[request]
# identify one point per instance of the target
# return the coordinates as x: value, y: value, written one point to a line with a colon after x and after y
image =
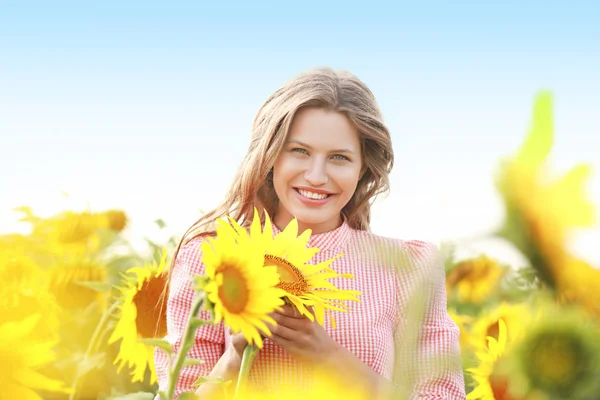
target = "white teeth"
x: 311, y: 195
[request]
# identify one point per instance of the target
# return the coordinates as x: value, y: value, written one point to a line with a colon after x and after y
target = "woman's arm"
x: 227, y: 368
x: 352, y: 370
x: 428, y: 362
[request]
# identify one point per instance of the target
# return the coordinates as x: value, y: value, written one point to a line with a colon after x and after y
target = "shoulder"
x: 412, y: 254
x: 189, y: 257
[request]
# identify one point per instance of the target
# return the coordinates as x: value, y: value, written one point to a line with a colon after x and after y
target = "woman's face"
x: 318, y: 170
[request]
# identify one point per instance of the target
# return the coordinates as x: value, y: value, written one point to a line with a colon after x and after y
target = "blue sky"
x: 147, y: 106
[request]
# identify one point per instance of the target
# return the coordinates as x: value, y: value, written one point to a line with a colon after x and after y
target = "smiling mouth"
x: 312, y: 195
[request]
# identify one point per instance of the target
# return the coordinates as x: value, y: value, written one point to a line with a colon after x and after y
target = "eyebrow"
x: 310, y: 148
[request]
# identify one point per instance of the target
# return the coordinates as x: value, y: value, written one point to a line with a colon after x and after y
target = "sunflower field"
x: 80, y: 309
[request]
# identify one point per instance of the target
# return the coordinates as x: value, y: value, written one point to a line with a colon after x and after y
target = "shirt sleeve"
x: 428, y: 357
x: 210, y: 339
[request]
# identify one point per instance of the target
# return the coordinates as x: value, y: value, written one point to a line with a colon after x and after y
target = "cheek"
x: 349, y: 181
x: 347, y: 185
x: 281, y: 174
x: 285, y: 169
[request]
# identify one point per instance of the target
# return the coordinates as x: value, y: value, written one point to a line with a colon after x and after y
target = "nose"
x: 316, y: 174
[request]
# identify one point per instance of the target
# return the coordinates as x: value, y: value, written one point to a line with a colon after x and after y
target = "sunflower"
x: 22, y: 355
x: 142, y: 316
x: 487, y: 358
x: 542, y: 210
x: 514, y: 317
x: 24, y: 293
x: 304, y: 284
x: 323, y: 385
x: 474, y: 280
x: 74, y: 229
x: 67, y: 283
x: 579, y: 282
x: 116, y: 220
x: 241, y: 291
x: 559, y: 358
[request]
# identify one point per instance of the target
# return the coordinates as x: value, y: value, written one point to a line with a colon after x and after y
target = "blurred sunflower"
x: 541, y: 211
x: 323, y: 385
x: 304, y: 284
x: 74, y: 228
x: 515, y: 318
x: 24, y: 292
x: 116, y: 220
x: 240, y: 289
x: 578, y: 282
x: 559, y: 358
x: 487, y: 357
x: 549, y: 207
x: 474, y: 280
x: 67, y: 283
x: 142, y: 316
x: 21, y: 357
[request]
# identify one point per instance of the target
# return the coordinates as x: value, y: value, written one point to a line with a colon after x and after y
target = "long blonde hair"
x: 253, y: 183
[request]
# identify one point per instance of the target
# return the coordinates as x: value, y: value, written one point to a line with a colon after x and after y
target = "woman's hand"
x: 233, y: 353
x: 227, y: 368
x: 301, y: 337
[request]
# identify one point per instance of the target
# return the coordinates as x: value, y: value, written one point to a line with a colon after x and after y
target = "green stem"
x: 93, y: 344
x: 250, y: 352
x: 186, y: 344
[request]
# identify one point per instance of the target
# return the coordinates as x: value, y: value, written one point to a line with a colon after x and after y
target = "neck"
x: 282, y: 221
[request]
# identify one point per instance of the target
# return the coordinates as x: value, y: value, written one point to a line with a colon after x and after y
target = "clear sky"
x: 147, y: 106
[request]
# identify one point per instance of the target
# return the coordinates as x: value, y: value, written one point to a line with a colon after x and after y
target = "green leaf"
x: 160, y: 223
x: 163, y: 344
x: 538, y: 142
x: 192, y: 361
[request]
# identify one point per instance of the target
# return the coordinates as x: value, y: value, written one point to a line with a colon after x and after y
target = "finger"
x: 289, y: 345
x: 239, y: 343
x: 296, y: 324
x: 284, y: 332
x: 290, y: 311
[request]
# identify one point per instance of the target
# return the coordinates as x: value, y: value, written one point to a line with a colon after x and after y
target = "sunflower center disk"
x: 291, y: 278
x: 555, y: 360
x: 151, y: 321
x: 234, y: 290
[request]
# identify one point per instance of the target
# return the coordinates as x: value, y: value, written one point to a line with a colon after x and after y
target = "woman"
x: 320, y: 152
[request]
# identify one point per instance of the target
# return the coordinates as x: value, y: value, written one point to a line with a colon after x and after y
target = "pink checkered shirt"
x: 400, y: 328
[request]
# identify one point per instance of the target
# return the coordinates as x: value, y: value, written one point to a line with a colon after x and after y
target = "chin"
x: 310, y: 217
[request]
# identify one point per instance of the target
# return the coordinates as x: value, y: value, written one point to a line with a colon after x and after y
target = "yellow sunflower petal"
x: 288, y: 252
x: 142, y: 314
x: 240, y: 288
